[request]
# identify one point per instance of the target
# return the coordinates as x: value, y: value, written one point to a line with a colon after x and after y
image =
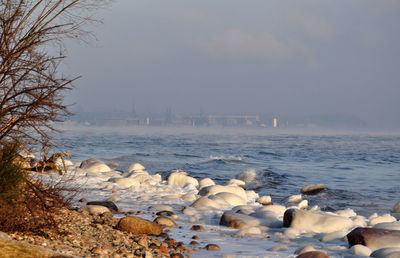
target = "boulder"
x: 313, y: 254
x: 295, y: 198
x: 138, y: 225
x: 315, y: 222
x: 84, y: 164
x: 162, y: 220
x: 110, y: 205
x: 214, y: 189
x: 374, y: 238
x: 313, y: 189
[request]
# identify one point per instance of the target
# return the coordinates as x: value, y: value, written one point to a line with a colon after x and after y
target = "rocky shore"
x: 135, y: 214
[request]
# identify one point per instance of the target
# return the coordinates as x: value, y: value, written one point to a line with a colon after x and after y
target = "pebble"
x: 195, y: 237
x: 194, y: 243
x: 212, y: 247
x: 197, y: 228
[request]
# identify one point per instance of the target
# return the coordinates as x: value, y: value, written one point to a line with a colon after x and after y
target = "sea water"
x: 361, y: 172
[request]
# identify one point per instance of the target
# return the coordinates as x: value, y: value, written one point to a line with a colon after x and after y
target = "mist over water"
x: 361, y: 171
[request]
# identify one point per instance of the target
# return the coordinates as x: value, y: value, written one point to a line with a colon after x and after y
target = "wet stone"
x: 197, y: 228
x: 212, y: 247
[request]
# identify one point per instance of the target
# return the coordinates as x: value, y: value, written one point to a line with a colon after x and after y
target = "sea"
x: 360, y: 170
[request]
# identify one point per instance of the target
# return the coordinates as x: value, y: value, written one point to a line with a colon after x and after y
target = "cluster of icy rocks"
x: 291, y: 225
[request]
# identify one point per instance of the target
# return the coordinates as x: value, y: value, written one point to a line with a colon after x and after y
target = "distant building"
x: 275, y: 122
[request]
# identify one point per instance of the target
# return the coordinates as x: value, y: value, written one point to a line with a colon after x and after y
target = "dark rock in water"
x: 165, y: 213
x: 313, y: 189
x: 374, y: 238
x: 197, y: 228
x: 83, y: 200
x: 138, y: 225
x: 328, y: 209
x: 313, y: 254
x: 110, y: 205
x: 212, y: 247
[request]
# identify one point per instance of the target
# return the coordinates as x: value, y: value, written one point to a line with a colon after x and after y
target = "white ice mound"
x: 136, y: 167
x: 214, y: 189
x: 373, y: 220
x: 295, y: 198
x: 390, y: 252
x: 315, y: 222
x: 144, y: 177
x: 212, y: 202
x: 231, y: 198
x: 388, y: 225
x: 247, y: 176
x: 236, y: 182
x: 206, y: 182
x: 94, y: 166
x: 264, y: 200
x: 125, y: 181
x: 67, y: 162
x: 95, y: 209
x: 181, y: 178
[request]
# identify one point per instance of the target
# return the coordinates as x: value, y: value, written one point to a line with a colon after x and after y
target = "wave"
x: 224, y: 159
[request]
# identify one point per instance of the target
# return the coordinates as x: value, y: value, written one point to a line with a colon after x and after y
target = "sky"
x: 293, y: 58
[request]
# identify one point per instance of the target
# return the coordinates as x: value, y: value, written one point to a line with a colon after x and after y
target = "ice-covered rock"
x: 249, y: 231
x: 360, y: 250
x: 231, y: 198
x: 97, y: 167
x: 315, y: 222
x: 181, y: 178
x: 237, y: 182
x: 162, y: 207
x: 213, y: 202
x: 206, y: 182
x: 277, y: 209
x: 386, y: 253
x: 214, y: 189
x: 303, y: 204
x: 396, y: 211
x: 125, y: 181
x: 381, y: 219
x: 264, y: 200
x: 136, y: 167
x: 374, y: 238
x: 334, y: 236
x: 251, y: 195
x: 388, y: 225
x: 295, y: 198
x: 346, y: 213
x: 67, y: 162
x: 247, y: 176
x: 189, y: 197
x: 359, y: 221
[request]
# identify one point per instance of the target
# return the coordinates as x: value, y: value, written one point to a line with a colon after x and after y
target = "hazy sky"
x: 258, y: 56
